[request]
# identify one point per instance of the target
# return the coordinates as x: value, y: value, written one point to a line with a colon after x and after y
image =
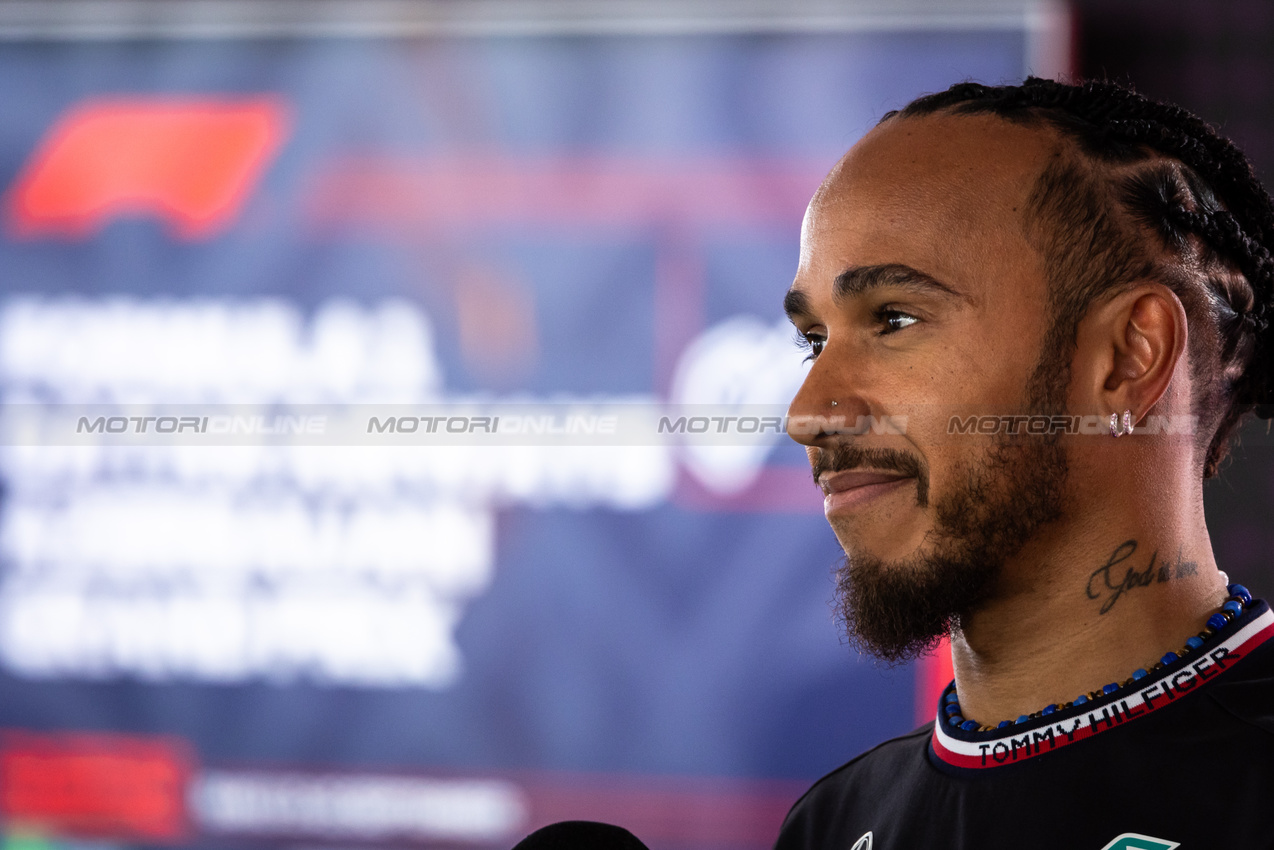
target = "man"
x: 1064, y: 291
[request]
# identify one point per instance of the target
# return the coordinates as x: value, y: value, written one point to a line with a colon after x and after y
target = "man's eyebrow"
x: 796, y: 303
x: 859, y: 279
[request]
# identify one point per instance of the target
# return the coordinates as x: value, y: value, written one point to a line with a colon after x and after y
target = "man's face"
x: 922, y: 299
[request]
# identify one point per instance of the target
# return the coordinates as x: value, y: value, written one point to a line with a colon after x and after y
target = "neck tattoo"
x: 1238, y: 600
x: 1119, y: 574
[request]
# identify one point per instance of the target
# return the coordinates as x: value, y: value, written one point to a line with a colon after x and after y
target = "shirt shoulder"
x: 1247, y: 693
x: 835, y: 802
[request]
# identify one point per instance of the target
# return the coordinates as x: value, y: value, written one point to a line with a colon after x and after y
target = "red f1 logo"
x: 191, y: 162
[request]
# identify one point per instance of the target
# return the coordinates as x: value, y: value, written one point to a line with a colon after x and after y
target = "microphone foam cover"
x: 581, y: 835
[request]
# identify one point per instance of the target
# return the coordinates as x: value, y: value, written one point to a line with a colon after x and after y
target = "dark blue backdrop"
x: 682, y: 637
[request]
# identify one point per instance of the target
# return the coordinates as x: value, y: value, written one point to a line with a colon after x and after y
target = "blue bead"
x: 1217, y: 621
x: 1023, y: 719
x: 953, y: 708
x: 1004, y: 723
x: 1139, y: 673
x: 1233, y: 607
x: 955, y: 720
x: 1169, y: 658
x: 969, y: 725
x: 1194, y: 642
x: 951, y: 697
x: 1109, y: 689
x: 1081, y: 699
x: 1241, y: 592
x: 1049, y: 709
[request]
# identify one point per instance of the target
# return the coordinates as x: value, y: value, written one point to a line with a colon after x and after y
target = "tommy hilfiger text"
x: 1160, y: 693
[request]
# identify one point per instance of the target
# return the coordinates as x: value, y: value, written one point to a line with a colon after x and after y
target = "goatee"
x: 901, y: 609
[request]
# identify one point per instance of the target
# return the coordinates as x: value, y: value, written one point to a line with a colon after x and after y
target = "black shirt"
x: 1184, y: 756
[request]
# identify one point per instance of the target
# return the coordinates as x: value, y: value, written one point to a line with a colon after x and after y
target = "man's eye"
x: 811, y: 343
x: 892, y: 321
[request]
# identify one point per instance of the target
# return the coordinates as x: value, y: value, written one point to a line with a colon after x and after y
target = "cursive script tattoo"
x: 1108, y: 583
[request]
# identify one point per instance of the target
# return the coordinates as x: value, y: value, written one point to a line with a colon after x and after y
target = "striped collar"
x: 1017, y: 743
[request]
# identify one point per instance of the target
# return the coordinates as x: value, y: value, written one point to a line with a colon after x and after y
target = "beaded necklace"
x: 1238, y: 600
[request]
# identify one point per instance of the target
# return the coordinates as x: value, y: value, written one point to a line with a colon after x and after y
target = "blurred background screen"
x: 221, y: 626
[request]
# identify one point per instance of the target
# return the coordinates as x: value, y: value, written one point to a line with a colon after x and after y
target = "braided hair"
x: 1150, y: 190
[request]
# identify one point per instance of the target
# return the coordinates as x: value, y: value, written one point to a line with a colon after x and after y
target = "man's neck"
x: 1072, y: 618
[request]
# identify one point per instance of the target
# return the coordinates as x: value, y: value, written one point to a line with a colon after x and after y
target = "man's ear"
x: 1128, y: 348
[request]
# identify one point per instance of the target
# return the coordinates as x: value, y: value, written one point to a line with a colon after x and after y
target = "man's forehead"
x: 945, y: 157
x: 943, y: 193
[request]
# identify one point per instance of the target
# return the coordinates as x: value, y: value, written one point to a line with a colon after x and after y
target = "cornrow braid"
x: 1189, y: 185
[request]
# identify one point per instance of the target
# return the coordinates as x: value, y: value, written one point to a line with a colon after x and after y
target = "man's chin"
x: 898, y: 610
x: 892, y: 547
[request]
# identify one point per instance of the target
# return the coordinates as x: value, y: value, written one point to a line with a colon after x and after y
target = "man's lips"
x: 850, y: 479
x: 853, y: 486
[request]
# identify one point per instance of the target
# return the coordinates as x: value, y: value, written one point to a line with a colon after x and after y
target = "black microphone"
x: 581, y: 835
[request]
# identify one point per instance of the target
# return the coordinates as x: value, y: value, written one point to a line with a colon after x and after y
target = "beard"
x: 900, y: 609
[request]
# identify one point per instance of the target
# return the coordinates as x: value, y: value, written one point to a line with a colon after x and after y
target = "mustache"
x: 842, y: 456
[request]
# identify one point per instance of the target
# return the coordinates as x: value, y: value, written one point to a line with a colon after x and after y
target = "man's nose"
x: 826, y: 404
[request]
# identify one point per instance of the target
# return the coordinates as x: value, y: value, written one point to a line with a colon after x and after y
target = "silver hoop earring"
x: 1115, y: 430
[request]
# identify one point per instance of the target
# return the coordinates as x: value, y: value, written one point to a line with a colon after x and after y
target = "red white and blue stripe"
x: 1018, y: 742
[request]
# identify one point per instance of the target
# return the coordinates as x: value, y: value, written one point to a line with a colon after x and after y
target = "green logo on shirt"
x: 1134, y: 841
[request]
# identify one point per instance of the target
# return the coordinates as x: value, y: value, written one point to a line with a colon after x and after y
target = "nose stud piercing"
x: 833, y: 402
